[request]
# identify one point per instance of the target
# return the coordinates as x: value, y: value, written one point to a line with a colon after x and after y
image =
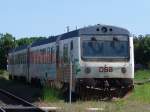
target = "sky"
x: 26, y: 18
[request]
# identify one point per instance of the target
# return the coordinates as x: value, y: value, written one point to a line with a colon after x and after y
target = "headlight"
x: 87, y: 70
x: 123, y: 70
x: 104, y: 29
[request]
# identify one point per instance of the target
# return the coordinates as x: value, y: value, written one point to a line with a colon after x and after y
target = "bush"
x: 51, y: 94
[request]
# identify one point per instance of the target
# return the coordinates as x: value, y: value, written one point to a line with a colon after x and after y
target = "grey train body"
x: 101, y: 56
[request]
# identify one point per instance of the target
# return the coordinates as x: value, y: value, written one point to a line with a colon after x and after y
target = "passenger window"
x: 32, y: 57
x: 41, y: 56
x: 44, y: 55
x: 48, y: 55
x: 71, y: 45
x: 65, y: 53
x: 57, y: 55
x: 52, y: 55
x: 37, y: 56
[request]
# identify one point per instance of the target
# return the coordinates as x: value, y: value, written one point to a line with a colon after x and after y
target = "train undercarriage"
x: 95, y: 88
x: 100, y: 89
x: 103, y: 89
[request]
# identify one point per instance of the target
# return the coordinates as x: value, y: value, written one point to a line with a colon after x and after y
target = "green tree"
x: 6, y: 43
x: 142, y: 50
x: 27, y: 41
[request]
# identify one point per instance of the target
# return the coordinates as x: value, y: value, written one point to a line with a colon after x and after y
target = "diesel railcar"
x: 101, y: 55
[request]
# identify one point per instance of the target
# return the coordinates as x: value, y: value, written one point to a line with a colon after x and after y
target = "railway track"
x: 12, y: 103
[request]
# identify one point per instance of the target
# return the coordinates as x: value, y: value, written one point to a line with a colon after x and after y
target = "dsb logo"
x: 105, y: 69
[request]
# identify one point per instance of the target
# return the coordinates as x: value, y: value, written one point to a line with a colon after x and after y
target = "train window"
x: 18, y: 59
x: 48, y: 55
x: 36, y: 57
x: 41, y: 56
x: 65, y: 53
x: 21, y: 59
x: 71, y: 45
x: 44, y: 55
x: 32, y: 57
x: 57, y: 55
x: 14, y: 60
x: 35, y: 54
x: 52, y: 55
x: 24, y: 57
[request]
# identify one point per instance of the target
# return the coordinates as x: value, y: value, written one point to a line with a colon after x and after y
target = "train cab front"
x: 106, y: 64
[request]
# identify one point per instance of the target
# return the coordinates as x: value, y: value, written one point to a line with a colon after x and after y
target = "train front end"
x: 106, y: 62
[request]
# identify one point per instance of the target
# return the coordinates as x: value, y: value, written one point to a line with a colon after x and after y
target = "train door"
x: 67, y: 56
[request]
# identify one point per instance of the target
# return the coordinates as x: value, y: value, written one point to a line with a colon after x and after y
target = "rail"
x: 25, y: 105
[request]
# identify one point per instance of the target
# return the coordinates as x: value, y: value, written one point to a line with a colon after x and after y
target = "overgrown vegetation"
x: 142, y: 75
x: 142, y: 92
x: 142, y: 50
x: 51, y: 94
x: 1, y: 72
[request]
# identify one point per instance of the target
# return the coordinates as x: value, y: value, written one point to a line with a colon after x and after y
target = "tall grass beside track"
x: 141, y: 92
x: 51, y: 94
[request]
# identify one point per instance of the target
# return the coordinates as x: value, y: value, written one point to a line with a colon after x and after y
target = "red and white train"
x: 102, y: 59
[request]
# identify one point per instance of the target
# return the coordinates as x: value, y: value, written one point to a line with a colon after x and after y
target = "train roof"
x: 18, y: 48
x: 70, y: 34
x: 94, y: 30
x: 103, y: 30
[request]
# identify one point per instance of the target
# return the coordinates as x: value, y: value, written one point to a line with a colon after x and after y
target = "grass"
x: 141, y: 93
x: 50, y: 94
x: 1, y: 72
x: 4, y: 74
x: 142, y: 75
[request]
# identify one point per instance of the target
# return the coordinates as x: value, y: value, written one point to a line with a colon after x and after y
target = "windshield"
x: 114, y: 48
